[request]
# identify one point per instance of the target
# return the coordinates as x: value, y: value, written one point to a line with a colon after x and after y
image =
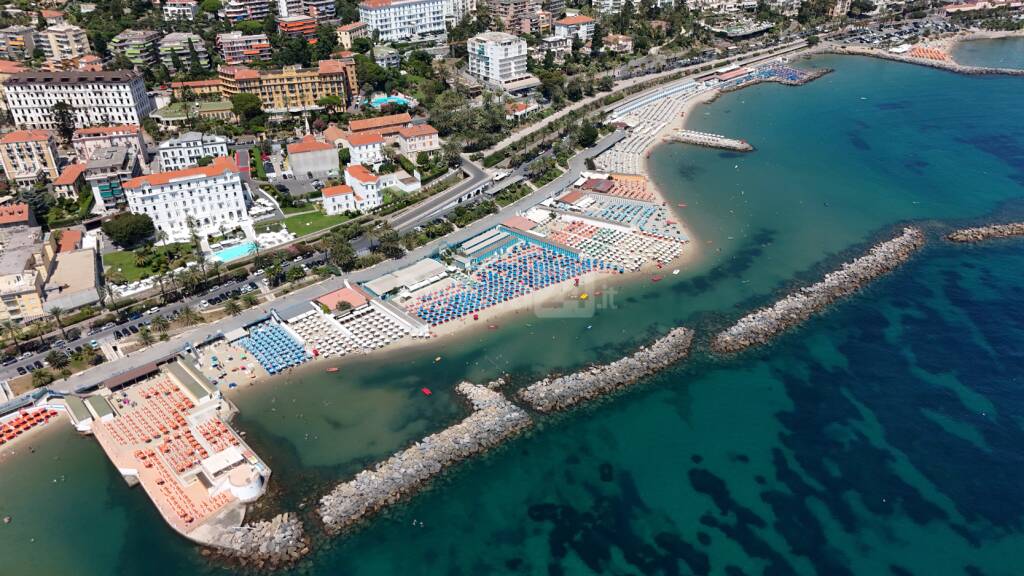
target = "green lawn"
x: 302, y: 224
x: 125, y: 261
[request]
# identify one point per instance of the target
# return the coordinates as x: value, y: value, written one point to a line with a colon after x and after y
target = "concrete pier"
x: 493, y: 421
x: 710, y: 140
x: 987, y: 232
x: 761, y: 326
x: 565, y: 392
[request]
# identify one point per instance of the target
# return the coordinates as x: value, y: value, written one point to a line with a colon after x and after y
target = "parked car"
x: 37, y: 364
x: 109, y: 325
x: 152, y: 310
x: 22, y: 371
x: 10, y: 361
x: 134, y: 329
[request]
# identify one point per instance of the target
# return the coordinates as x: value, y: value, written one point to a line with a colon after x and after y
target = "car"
x: 134, y: 329
x: 152, y: 310
x: 21, y: 370
x: 297, y: 259
x: 94, y: 344
x: 252, y: 286
x: 10, y: 361
x: 37, y: 364
x: 281, y: 188
x: 204, y: 304
x: 134, y: 316
x: 25, y: 356
x: 118, y: 335
x: 259, y: 272
x: 109, y: 325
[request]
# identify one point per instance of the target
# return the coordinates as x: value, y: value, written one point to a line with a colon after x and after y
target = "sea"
x: 883, y: 437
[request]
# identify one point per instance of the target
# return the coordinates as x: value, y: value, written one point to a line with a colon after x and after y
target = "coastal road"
x: 95, y: 376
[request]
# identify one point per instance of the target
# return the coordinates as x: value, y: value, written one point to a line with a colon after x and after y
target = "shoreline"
x: 947, y: 65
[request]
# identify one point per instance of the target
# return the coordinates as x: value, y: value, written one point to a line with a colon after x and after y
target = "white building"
x: 98, y: 98
x: 342, y: 198
x: 310, y: 158
x: 180, y: 9
x: 365, y: 148
x: 186, y: 150
x: 499, y: 59
x: 85, y: 141
x: 365, y: 185
x: 28, y: 156
x: 420, y: 138
x: 239, y: 10
x: 396, y: 20
x: 579, y: 26
x: 208, y: 199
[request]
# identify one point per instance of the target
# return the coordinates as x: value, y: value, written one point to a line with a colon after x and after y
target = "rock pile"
x: 987, y: 232
x: 566, y: 391
x: 268, y: 543
x: 761, y: 326
x: 494, y: 420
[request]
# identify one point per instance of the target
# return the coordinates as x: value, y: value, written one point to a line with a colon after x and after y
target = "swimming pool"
x: 235, y: 252
x: 382, y: 100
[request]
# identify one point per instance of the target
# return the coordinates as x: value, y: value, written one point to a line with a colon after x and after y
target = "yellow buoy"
x: 583, y: 296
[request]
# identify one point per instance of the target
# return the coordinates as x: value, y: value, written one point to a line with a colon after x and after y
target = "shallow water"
x: 881, y: 438
x: 995, y: 52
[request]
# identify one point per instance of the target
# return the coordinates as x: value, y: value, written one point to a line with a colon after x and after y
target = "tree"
x: 295, y: 273
x: 57, y: 312
x: 597, y: 41
x: 41, y: 377
x: 332, y: 103
x: 342, y: 306
x: 145, y: 336
x: 249, y: 299
x: 129, y: 229
x: 246, y: 106
x: 64, y: 118
x: 188, y: 316
x: 587, y: 135
x: 12, y: 329
x: 204, y: 161
x: 56, y: 359
x: 232, y: 307
x: 194, y: 65
x: 214, y: 6
x: 340, y: 252
x: 160, y: 324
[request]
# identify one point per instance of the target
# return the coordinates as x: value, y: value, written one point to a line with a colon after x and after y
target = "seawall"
x: 493, y: 421
x: 272, y: 543
x: 564, y: 392
x: 761, y: 326
x: 940, y: 64
x: 987, y: 232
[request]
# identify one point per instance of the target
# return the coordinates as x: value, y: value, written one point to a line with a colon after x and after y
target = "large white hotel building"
x: 396, y: 20
x: 98, y: 98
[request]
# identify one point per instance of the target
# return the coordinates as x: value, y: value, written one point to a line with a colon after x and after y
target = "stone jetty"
x: 272, y: 543
x: 761, y: 326
x: 564, y: 392
x: 941, y: 64
x: 709, y: 140
x: 493, y: 421
x: 987, y: 232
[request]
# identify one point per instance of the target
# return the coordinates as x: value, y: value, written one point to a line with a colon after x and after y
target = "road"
x: 95, y: 376
x: 428, y: 209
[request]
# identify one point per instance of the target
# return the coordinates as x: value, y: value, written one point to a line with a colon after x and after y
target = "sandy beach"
x: 23, y: 444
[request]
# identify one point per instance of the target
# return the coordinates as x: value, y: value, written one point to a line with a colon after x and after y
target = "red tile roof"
x: 417, y: 131
x: 308, y: 144
x: 70, y: 175
x: 69, y: 240
x: 519, y: 223
x: 103, y: 130
x: 375, y: 3
x: 339, y: 190
x: 359, y: 172
x: 350, y: 294
x: 390, y: 121
x: 365, y: 138
x: 25, y: 136
x: 351, y: 26
x: 574, y: 20
x: 14, y: 213
x: 332, y: 66
x: 196, y: 83
x: 219, y: 166
x: 571, y: 197
x: 333, y: 133
x: 9, y: 67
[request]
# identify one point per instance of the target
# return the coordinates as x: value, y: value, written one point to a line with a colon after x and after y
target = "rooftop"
x: 380, y: 122
x: 417, y: 131
x: 359, y: 172
x: 352, y: 26
x: 72, y: 77
x: 339, y: 190
x: 105, y: 158
x: 70, y: 175
x: 14, y: 214
x: 9, y: 67
x: 195, y: 137
x: 353, y: 295
x: 219, y: 166
x: 308, y: 144
x: 25, y: 136
x: 365, y: 138
x: 105, y: 130
x: 574, y: 20
x: 70, y: 239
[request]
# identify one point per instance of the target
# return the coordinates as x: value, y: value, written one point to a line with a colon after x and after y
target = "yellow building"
x: 293, y: 88
x: 28, y: 156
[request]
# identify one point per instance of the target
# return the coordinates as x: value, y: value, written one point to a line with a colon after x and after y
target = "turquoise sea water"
x: 881, y: 438
x: 997, y: 52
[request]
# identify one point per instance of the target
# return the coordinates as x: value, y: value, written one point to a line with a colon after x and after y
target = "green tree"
x: 128, y: 229
x: 160, y: 324
x: 250, y: 299
x: 41, y: 377
x: 587, y: 135
x: 56, y: 359
x: 214, y: 6
x: 145, y: 336
x: 295, y: 273
x: 339, y: 252
x: 57, y: 312
x: 246, y: 106
x: 188, y: 316
x: 232, y: 307
x: 11, y: 327
x: 64, y: 118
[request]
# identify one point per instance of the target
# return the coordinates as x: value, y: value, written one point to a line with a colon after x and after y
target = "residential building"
x: 7, y: 68
x: 365, y: 148
x: 298, y: 26
x: 106, y: 172
x: 555, y: 7
x: 21, y: 276
x: 177, y: 49
x: 63, y: 42
x: 206, y: 200
x: 618, y: 44
x: 184, y: 114
x: 289, y: 8
x: 17, y: 42
x: 197, y: 87
x: 73, y: 278
x: 16, y: 215
x: 420, y: 138
x: 350, y: 32
x: 52, y: 17
x: 499, y: 59
x: 310, y: 158
x: 186, y: 150
x: 386, y: 57
x: 340, y: 199
x: 514, y: 14
x: 396, y: 20
x: 98, y: 98
x: 239, y: 10
x: 293, y: 88
x: 180, y: 9
x: 560, y: 47
x: 28, y: 157
x: 365, y: 187
x: 516, y: 111
x: 608, y: 6
x: 334, y: 135
x: 319, y: 9
x: 386, y: 126
x: 70, y: 183
x: 455, y: 10
x: 85, y: 141
x: 238, y: 48
x: 579, y: 26
x: 138, y: 46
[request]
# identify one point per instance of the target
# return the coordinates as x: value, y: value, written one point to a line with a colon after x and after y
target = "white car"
x: 152, y: 310
x: 204, y: 304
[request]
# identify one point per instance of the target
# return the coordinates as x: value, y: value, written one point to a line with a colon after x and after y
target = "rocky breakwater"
x: 761, y: 326
x: 265, y: 544
x: 494, y: 420
x: 564, y: 392
x: 987, y: 232
x: 907, y: 59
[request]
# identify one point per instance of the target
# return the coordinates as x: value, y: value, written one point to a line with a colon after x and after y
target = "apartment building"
x: 420, y: 138
x: 7, y: 68
x: 21, y: 280
x: 293, y: 88
x: 310, y: 158
x: 17, y: 42
x: 499, y: 59
x: 366, y: 190
x: 197, y: 87
x: 98, y: 98
x: 348, y: 33
x: 63, y: 42
x: 579, y: 26
x: 106, y: 172
x: 515, y: 15
x: 70, y: 181
x: 319, y: 9
x: 207, y: 200
x: 180, y: 9
x: 177, y: 48
x: 238, y: 48
x: 396, y: 20
x: 298, y: 26
x: 239, y: 10
x: 28, y: 157
x: 365, y: 148
x: 186, y: 150
x: 138, y: 46
x: 86, y: 141
x: 608, y: 6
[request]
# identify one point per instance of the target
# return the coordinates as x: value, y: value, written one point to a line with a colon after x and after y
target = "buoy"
x: 583, y: 296
x: 681, y: 205
x: 676, y: 271
x: 656, y: 279
x: 332, y: 369
x: 438, y: 359
x: 426, y: 391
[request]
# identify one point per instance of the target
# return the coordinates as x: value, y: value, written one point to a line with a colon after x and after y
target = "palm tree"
x: 56, y: 312
x: 56, y: 359
x: 250, y: 299
x: 232, y: 307
x: 146, y: 336
x: 12, y: 328
x: 160, y: 269
x: 189, y: 317
x: 160, y: 324
x: 216, y: 267
x: 274, y: 272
